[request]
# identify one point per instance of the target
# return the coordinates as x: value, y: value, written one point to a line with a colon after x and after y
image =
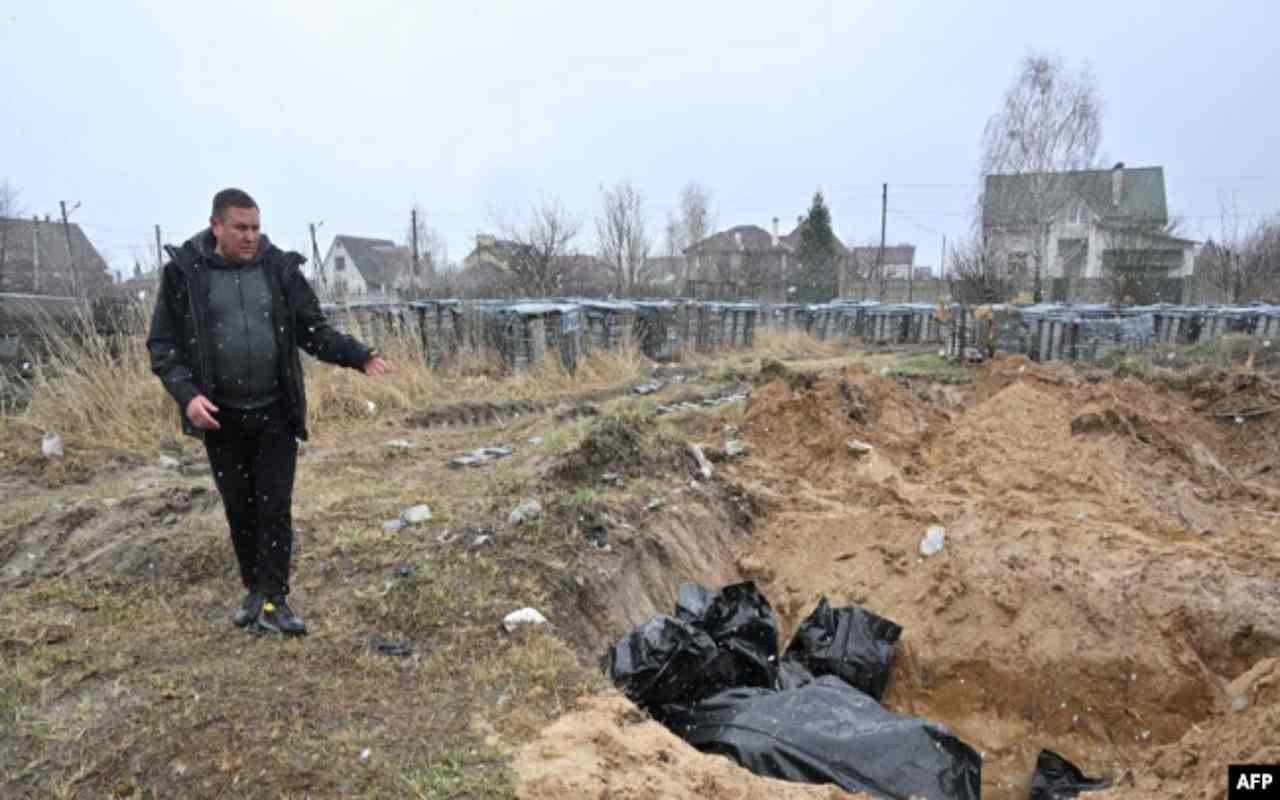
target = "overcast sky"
x: 351, y: 112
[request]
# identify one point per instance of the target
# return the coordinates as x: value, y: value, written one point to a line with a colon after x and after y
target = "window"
x: 339, y: 263
x: 1073, y: 254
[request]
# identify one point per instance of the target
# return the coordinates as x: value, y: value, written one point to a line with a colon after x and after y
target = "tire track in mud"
x: 568, y: 408
x: 72, y: 540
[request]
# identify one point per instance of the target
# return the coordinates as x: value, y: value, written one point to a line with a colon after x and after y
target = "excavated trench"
x: 1108, y: 570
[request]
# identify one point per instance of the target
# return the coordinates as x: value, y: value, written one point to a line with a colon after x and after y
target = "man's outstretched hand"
x: 377, y: 365
x: 200, y: 411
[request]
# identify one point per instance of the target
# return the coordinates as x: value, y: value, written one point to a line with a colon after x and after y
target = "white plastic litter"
x: 858, y: 448
x: 527, y: 510
x: 704, y: 466
x: 51, y: 445
x: 933, y: 540
x: 525, y: 616
x: 416, y: 514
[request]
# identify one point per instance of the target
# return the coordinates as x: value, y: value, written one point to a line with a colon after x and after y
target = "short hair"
x: 228, y: 198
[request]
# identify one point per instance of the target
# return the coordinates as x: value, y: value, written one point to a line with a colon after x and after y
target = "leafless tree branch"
x: 623, y: 240
x: 536, y: 260
x: 1050, y: 124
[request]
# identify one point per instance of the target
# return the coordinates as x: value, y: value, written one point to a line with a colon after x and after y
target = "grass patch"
x: 468, y: 774
x: 929, y: 366
x: 1125, y: 364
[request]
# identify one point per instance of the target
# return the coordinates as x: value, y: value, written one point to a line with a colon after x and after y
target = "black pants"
x: 254, y: 456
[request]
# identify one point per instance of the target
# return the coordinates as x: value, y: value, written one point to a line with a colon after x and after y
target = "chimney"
x: 1117, y: 182
x: 775, y: 231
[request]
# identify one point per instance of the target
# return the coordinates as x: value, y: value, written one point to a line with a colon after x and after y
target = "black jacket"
x: 179, y: 337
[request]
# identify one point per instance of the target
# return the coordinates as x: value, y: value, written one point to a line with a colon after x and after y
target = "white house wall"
x: 351, y: 275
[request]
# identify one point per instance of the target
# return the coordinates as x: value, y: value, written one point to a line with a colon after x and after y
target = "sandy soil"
x: 606, y: 748
x: 1110, y: 584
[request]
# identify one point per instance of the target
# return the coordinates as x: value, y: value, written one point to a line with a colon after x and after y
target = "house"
x: 752, y: 257
x: 491, y: 269
x: 667, y: 270
x: 357, y: 267
x: 745, y: 254
x: 1077, y: 224
x: 866, y: 263
x: 490, y: 251
x: 44, y: 257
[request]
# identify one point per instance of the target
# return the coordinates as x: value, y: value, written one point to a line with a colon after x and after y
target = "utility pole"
x: 159, y: 253
x: 35, y: 254
x: 71, y: 256
x: 942, y: 265
x: 413, y: 234
x: 884, y: 209
x: 315, y: 255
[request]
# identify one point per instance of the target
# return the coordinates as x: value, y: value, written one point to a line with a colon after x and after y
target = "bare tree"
x: 534, y: 257
x: 695, y: 221
x: 1243, y: 264
x: 1050, y: 124
x: 980, y: 274
x: 673, y: 238
x: 9, y: 210
x: 623, y: 240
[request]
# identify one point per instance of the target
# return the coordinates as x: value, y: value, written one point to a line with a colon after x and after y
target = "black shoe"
x: 250, y: 608
x: 276, y: 616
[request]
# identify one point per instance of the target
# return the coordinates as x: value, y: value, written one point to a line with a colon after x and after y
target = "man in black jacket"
x: 230, y: 315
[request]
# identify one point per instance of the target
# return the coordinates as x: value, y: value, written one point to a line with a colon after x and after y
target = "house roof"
x: 19, y: 238
x: 743, y: 238
x: 753, y: 238
x: 499, y: 249
x: 1149, y: 235
x: 792, y: 241
x: 1142, y: 194
x: 380, y: 261
x: 895, y: 254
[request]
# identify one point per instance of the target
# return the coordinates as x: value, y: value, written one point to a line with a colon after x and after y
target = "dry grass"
x: 99, y: 394
x: 794, y: 344
x: 94, y: 390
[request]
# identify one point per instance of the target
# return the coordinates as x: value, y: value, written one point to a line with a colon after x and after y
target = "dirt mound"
x: 772, y: 370
x: 606, y: 748
x: 1106, y: 571
x: 807, y: 429
x: 623, y: 445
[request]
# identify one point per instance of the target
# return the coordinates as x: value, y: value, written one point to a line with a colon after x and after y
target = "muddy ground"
x: 1109, y: 587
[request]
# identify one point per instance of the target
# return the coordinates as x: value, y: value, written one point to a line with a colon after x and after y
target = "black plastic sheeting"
x: 1058, y: 779
x: 829, y: 732
x: 667, y: 661
x: 712, y: 675
x: 850, y: 643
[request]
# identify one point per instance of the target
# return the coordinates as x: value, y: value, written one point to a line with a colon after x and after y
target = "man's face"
x: 237, y: 233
